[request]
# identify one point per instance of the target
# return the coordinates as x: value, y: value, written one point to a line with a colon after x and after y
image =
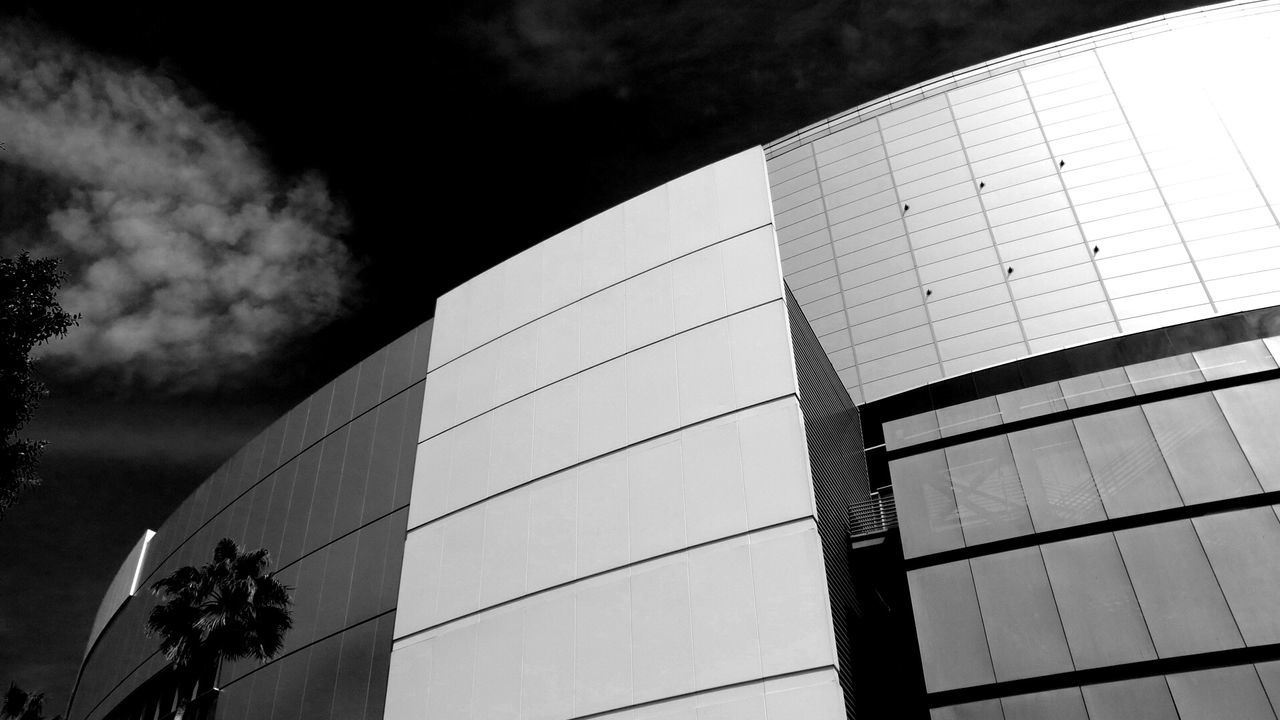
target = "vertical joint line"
x: 1243, y: 160
x: 1088, y: 248
x: 911, y: 250
x: 1004, y: 273
x: 844, y: 308
x: 1159, y: 190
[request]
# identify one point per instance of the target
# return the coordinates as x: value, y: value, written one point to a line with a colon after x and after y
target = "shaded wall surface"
x: 833, y: 434
x: 613, y: 511
x: 1098, y: 186
x: 325, y: 488
x: 121, y: 587
x: 1086, y: 528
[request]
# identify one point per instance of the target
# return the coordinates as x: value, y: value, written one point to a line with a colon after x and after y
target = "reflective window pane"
x: 336, y: 589
x: 1202, y: 453
x: 322, y: 675
x: 1064, y: 704
x: 1251, y: 413
x: 317, y: 415
x: 1094, y: 388
x: 353, y: 672
x: 290, y: 686
x: 304, y: 483
x: 1233, y: 360
x: 378, y: 672
x: 927, y: 516
x: 1243, y: 548
x: 1141, y: 699
x: 1177, y: 590
x: 307, y: 588
x: 988, y: 494
x: 1019, y: 614
x: 1218, y: 693
x: 381, y: 482
x: 1126, y: 463
x: 355, y: 475
x: 1055, y: 477
x: 907, y: 431
x: 324, y: 498
x: 1031, y: 402
x: 366, y: 578
x: 972, y: 415
x: 264, y: 692
x: 981, y: 710
x: 1165, y: 373
x: 1269, y: 672
x: 949, y: 627
x: 1099, y: 611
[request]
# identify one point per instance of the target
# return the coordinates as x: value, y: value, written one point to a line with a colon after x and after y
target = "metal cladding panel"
x: 1101, y: 186
x: 612, y: 513
x: 833, y: 432
x: 1092, y: 519
x: 318, y: 489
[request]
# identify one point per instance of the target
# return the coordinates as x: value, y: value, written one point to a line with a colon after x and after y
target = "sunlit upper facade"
x: 1111, y: 183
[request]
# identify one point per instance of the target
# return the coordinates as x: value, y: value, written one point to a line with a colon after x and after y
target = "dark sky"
x: 376, y: 159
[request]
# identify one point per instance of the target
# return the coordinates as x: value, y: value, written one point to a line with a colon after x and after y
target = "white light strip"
x: 142, y: 556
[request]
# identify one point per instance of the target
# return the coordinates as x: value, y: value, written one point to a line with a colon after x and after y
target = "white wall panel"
x: 662, y: 630
x: 1043, y: 242
x: 602, y: 254
x: 551, y: 555
x: 603, y: 539
x: 917, y: 358
x: 982, y: 88
x: 460, y: 564
x: 725, y: 278
x: 505, y: 548
x: 561, y: 269
x: 747, y: 470
x: 602, y: 648
x: 547, y: 657
x: 637, y: 235
x: 814, y: 694
x: 752, y: 463
x: 741, y: 609
x: 496, y: 683
x: 595, y: 463
x: 559, y: 344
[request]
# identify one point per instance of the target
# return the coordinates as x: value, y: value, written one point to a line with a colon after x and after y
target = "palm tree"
x: 22, y: 705
x: 226, y: 610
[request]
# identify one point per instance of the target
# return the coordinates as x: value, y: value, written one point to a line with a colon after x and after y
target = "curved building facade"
x: 956, y: 405
x: 325, y: 488
x: 1112, y: 183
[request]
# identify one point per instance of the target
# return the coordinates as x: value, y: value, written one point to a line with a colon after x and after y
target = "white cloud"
x: 190, y: 258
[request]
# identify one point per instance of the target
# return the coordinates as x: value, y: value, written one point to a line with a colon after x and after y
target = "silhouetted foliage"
x: 22, y: 705
x: 29, y: 315
x: 228, y: 609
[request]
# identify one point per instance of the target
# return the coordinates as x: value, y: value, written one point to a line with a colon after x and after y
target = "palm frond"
x: 35, y: 707
x: 15, y: 699
x: 229, y: 608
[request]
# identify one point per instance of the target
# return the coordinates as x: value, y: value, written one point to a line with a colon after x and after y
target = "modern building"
x: 956, y: 405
